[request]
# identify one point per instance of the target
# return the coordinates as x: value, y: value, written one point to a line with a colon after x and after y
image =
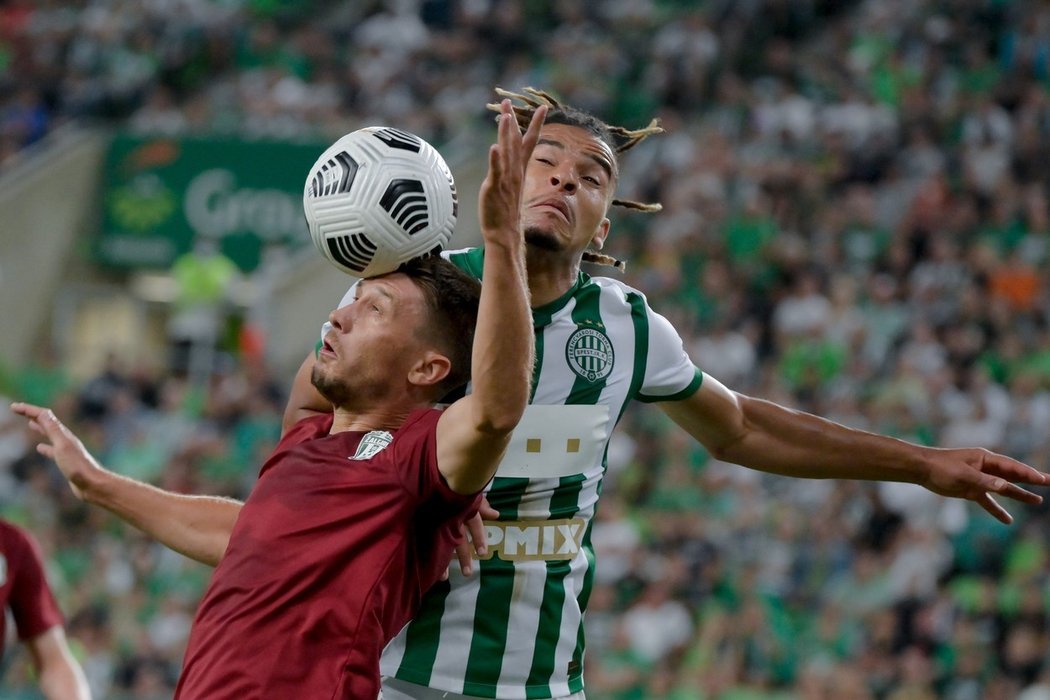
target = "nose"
x: 340, y: 318
x: 564, y: 178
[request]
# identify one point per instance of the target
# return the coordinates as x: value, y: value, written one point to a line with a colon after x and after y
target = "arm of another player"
x: 197, y: 526
x: 766, y: 436
x: 61, y: 677
x: 473, y: 433
x: 304, y: 400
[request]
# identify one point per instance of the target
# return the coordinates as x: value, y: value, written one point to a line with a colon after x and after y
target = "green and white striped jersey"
x: 515, y: 628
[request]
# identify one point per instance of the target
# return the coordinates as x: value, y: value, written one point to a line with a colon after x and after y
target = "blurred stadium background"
x: 855, y: 223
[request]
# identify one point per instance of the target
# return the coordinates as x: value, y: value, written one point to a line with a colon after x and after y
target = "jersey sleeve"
x: 32, y: 603
x: 417, y: 452
x: 670, y: 374
x: 470, y: 260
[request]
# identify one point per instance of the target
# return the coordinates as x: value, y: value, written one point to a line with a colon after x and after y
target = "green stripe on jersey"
x: 694, y: 385
x: 489, y: 641
x: 423, y: 633
x: 564, y: 502
x: 640, y: 319
x: 576, y: 683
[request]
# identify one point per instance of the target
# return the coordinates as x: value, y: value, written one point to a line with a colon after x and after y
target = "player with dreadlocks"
x: 516, y: 630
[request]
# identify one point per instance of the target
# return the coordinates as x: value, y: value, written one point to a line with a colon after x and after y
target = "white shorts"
x: 394, y: 689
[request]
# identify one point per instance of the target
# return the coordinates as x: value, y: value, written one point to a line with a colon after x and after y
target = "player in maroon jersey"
x: 24, y: 592
x: 355, y: 514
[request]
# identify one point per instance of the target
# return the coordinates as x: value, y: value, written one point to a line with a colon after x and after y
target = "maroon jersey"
x: 329, y: 558
x: 23, y: 586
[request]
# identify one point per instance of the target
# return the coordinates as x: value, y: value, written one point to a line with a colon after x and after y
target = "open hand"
x: 977, y: 474
x: 499, y: 201
x: 475, y: 526
x: 60, y: 445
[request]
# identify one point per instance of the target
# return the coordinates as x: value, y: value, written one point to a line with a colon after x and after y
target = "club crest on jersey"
x: 589, y: 353
x: 372, y: 444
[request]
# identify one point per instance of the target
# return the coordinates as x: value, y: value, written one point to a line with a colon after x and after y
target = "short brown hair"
x: 451, y: 298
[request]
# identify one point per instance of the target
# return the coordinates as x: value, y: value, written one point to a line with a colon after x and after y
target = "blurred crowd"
x: 855, y: 223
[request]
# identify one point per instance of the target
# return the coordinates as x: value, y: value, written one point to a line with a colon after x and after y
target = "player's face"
x: 569, y: 185
x: 372, y: 343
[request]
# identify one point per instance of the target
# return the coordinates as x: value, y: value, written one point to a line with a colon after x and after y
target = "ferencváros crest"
x: 589, y: 353
x: 372, y: 444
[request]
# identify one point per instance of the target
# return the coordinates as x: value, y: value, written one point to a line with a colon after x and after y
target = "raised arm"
x: 473, y: 432
x: 771, y: 438
x: 196, y: 526
x: 304, y: 400
x: 61, y: 677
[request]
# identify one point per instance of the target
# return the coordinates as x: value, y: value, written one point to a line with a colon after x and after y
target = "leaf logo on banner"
x: 142, y: 204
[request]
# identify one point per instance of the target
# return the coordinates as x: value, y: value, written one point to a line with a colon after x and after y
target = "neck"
x: 383, y: 418
x: 551, y: 273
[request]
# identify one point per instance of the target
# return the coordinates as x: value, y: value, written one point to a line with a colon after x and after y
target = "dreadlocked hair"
x: 603, y: 259
x: 618, y: 138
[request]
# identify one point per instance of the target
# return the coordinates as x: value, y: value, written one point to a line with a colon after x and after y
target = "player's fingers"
x: 1013, y: 470
x: 466, y: 561
x: 46, y: 450
x: 990, y: 482
x: 27, y: 409
x: 986, y: 501
x: 495, y: 165
x: 49, y: 423
x: 1020, y: 494
x: 532, y: 134
x: 476, y: 528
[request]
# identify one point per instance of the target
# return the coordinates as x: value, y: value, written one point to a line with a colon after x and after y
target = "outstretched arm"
x: 771, y: 438
x: 196, y: 526
x: 61, y: 677
x: 304, y: 400
x: 473, y: 433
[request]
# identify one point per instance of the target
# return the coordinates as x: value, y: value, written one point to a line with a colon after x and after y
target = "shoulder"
x: 420, y: 421
x: 612, y: 297
x: 614, y: 287
x: 308, y: 428
x: 12, y: 535
x: 470, y: 260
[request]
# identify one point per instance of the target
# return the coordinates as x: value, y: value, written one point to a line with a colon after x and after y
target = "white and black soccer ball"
x: 377, y: 198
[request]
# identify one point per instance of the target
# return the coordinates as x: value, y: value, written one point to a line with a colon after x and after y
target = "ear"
x: 598, y: 240
x: 430, y: 369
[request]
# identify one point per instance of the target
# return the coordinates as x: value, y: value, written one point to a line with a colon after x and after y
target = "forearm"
x: 61, y: 677
x: 503, y: 342
x: 793, y: 443
x: 64, y: 681
x: 303, y: 399
x: 196, y: 526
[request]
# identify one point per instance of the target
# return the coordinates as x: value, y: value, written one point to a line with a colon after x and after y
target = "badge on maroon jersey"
x: 372, y: 444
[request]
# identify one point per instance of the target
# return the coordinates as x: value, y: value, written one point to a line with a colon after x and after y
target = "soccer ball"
x: 377, y: 198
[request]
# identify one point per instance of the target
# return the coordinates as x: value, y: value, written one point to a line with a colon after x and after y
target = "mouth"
x: 557, y: 204
x: 326, y: 348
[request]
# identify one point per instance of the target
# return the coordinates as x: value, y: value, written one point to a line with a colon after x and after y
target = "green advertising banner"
x: 162, y: 195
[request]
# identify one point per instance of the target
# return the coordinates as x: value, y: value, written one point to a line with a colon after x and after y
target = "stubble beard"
x: 337, y: 392
x: 541, y: 239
